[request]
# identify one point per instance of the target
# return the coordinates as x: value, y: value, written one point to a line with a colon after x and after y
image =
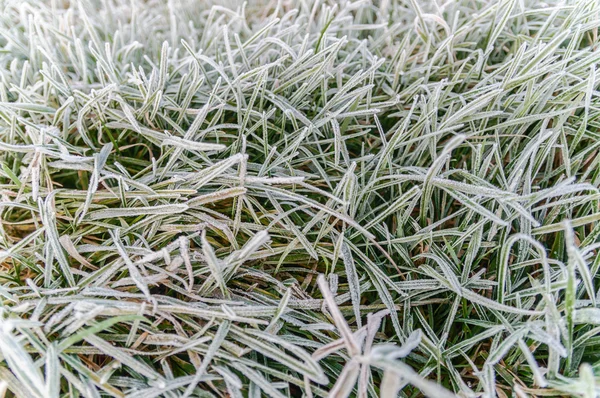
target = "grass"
x: 299, y: 198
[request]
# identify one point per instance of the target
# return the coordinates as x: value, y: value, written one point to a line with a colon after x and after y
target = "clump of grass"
x: 356, y: 198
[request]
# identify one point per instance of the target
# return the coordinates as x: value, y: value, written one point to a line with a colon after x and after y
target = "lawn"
x: 299, y: 198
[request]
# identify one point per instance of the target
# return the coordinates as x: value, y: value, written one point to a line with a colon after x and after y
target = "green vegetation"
x: 299, y: 198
